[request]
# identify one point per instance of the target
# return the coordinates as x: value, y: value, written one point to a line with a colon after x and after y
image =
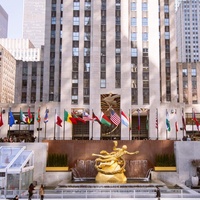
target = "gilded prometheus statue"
x: 111, y: 166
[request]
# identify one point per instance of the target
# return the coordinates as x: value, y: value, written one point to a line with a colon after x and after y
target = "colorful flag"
x: 105, y: 120
x: 77, y: 118
x: 183, y: 121
x: 124, y: 119
x: 11, y: 119
x: 156, y: 119
x: 38, y: 116
x: 147, y: 121
x: 114, y: 117
x: 22, y: 116
x: 46, y: 117
x: 29, y: 117
x: 95, y: 118
x: 176, y: 122
x: 138, y: 120
x: 67, y: 116
x: 167, y: 122
x: 1, y: 119
x: 86, y: 116
x: 195, y: 119
x: 58, y: 120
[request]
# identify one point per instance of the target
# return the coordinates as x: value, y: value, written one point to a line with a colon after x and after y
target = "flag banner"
x: 114, y: 117
x: 176, y: 122
x: 105, y: 120
x: 46, y: 117
x: 124, y: 119
x: 77, y: 118
x: 1, y: 119
x: 138, y: 120
x: 22, y: 117
x: 195, y: 119
x: 147, y: 121
x: 156, y: 119
x: 58, y: 120
x: 11, y: 119
x: 168, y: 128
x: 29, y: 117
x: 183, y: 121
x: 67, y: 116
x: 86, y: 116
x: 38, y: 116
x: 95, y: 118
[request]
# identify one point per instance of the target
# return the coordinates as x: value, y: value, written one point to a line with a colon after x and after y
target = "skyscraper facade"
x: 187, y: 31
x: 34, y: 21
x: 3, y: 23
x: 99, y: 52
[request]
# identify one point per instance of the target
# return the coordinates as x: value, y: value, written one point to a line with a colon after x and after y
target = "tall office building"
x: 188, y: 34
x: 3, y: 23
x: 34, y: 21
x: 111, y: 54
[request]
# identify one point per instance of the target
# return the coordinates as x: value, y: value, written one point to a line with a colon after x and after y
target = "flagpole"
x: 92, y: 125
x: 166, y: 124
x: 130, y: 124
x: 64, y: 127
x: 9, y: 119
x: 20, y: 121
x: 39, y: 124
x: 176, y: 124
x: 157, y: 122
x: 54, y: 134
x: 183, y: 125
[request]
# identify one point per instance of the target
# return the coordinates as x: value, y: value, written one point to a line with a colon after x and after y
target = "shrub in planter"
x: 57, y: 160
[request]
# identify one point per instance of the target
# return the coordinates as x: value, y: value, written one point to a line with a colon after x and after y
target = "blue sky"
x: 14, y: 9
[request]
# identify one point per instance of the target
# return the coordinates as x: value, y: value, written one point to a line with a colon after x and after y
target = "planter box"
x: 165, y: 169
x: 57, y: 169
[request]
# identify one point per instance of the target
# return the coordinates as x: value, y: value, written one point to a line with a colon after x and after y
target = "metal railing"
x: 103, y: 192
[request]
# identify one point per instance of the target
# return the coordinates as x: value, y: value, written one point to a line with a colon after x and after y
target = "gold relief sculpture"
x: 111, y: 166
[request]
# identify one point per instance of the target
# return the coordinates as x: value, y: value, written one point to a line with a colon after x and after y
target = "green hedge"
x: 57, y: 160
x: 165, y: 160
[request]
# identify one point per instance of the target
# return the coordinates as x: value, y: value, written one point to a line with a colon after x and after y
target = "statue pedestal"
x: 111, y: 178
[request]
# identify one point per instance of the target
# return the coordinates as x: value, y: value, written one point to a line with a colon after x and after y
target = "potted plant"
x: 57, y: 162
x: 165, y: 162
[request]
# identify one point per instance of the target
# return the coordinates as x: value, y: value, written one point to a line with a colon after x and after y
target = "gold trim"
x: 57, y: 169
x: 165, y: 169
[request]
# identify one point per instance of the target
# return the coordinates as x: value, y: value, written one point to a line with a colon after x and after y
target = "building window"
x: 103, y: 83
x: 144, y: 36
x: 134, y: 36
x: 133, y: 52
x: 133, y: 6
x: 133, y: 21
x: 144, y: 21
x: 144, y: 6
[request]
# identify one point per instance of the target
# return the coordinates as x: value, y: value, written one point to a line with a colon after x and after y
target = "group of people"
x: 30, y: 192
x: 31, y: 189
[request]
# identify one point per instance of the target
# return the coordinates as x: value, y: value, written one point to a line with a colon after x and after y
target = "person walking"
x: 30, y: 191
x: 41, y: 192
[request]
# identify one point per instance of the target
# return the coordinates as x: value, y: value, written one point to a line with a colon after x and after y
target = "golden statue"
x: 111, y: 166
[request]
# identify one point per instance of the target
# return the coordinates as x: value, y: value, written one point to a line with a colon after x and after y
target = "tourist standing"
x: 30, y: 191
x: 158, y: 193
x: 16, y: 197
x: 41, y: 192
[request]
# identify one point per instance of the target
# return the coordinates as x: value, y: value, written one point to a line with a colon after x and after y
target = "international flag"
x: 95, y: 118
x: 156, y: 119
x: 38, y: 116
x: 77, y: 118
x: 176, y: 122
x: 124, y: 119
x: 195, y: 119
x: 138, y: 120
x: 46, y: 117
x: 168, y: 128
x: 1, y: 119
x: 86, y: 116
x: 58, y: 120
x: 105, y: 120
x: 114, y: 117
x: 183, y: 121
x: 11, y: 118
x: 29, y: 117
x: 69, y: 118
x: 22, y: 116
